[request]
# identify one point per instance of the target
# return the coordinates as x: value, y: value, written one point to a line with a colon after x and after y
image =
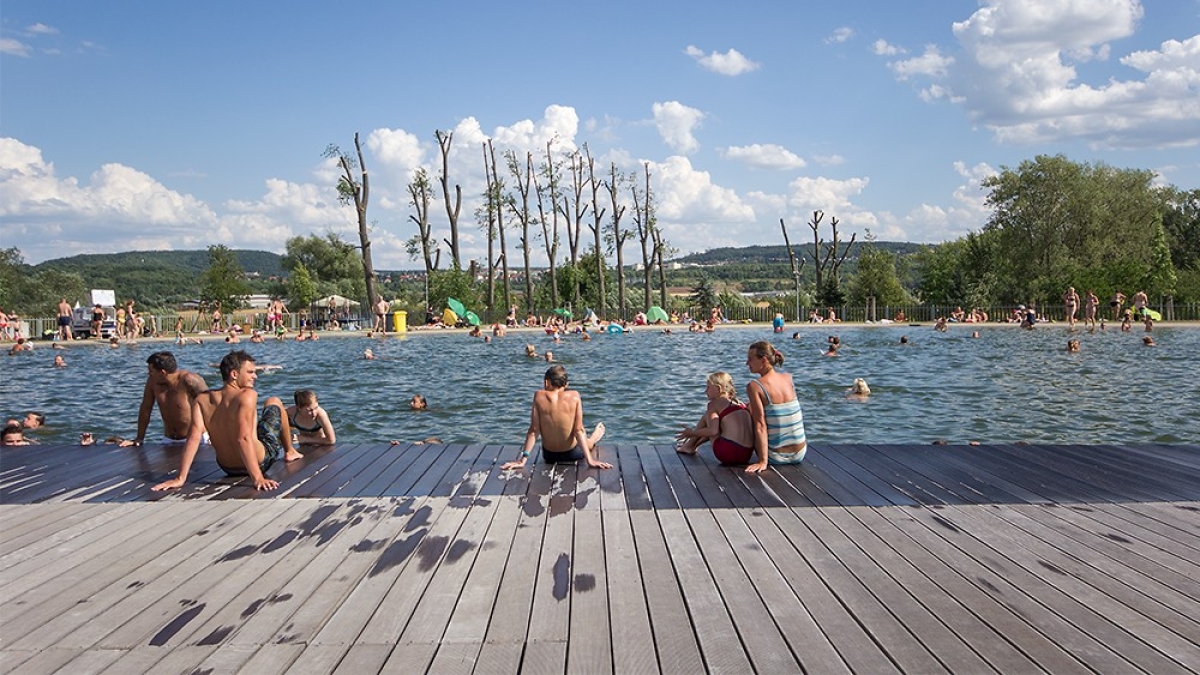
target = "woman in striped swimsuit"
x: 778, y: 420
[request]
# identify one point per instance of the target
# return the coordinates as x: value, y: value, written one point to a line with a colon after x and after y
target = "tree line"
x: 1055, y: 223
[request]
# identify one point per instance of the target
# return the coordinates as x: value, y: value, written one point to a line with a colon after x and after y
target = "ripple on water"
x: 1005, y: 386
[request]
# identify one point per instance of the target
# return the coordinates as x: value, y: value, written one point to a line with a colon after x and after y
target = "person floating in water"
x: 557, y: 418
x: 310, y: 420
x: 245, y: 442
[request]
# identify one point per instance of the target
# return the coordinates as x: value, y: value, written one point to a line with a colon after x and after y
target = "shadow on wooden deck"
x: 648, y: 476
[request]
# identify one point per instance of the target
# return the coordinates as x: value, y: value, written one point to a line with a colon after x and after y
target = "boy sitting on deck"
x: 245, y: 444
x: 557, y: 417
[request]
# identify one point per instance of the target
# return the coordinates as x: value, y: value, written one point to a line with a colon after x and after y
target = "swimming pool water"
x: 1008, y: 385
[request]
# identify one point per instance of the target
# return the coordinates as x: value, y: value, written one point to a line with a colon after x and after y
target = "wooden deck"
x: 867, y: 559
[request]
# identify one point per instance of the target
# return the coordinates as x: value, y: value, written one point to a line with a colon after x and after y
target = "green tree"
x: 332, y: 263
x: 35, y: 293
x: 876, y: 277
x: 1181, y: 221
x: 453, y: 283
x: 224, y: 281
x: 301, y: 289
x: 703, y: 295
x: 1059, y: 221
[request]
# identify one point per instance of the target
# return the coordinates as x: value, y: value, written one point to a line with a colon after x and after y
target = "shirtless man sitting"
x: 244, y: 444
x: 557, y: 417
x: 174, y: 391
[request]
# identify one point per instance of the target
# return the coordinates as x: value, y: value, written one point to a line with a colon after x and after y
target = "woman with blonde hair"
x: 860, y: 391
x: 726, y: 422
x: 778, y: 420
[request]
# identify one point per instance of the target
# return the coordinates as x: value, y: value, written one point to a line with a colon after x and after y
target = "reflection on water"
x: 1005, y: 386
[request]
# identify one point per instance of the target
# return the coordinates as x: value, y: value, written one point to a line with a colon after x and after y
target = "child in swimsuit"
x: 309, y: 419
x: 726, y: 422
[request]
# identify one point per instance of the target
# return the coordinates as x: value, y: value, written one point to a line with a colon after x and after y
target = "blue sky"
x: 148, y: 125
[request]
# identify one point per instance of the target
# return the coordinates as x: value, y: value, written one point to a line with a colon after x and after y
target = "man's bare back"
x: 557, y: 418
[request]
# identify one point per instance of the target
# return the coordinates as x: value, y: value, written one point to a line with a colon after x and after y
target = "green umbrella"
x: 563, y: 312
x: 456, y: 306
x: 472, y: 318
x: 657, y: 313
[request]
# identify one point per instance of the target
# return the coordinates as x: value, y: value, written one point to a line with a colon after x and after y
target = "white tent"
x: 336, y: 301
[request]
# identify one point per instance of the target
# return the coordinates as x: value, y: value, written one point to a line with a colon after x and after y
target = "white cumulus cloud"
x: 768, y: 156
x: 730, y: 63
x: 882, y: 47
x: 675, y: 123
x: 1016, y: 75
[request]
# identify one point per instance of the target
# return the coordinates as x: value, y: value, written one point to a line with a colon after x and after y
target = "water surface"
x: 1007, y: 385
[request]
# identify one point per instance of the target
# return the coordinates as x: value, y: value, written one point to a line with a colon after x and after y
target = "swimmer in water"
x: 860, y: 391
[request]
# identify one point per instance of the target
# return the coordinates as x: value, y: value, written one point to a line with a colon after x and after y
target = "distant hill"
x: 779, y: 254
x: 157, y: 278
x: 264, y: 263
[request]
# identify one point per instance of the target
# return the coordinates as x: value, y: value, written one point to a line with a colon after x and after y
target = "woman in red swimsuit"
x: 726, y: 422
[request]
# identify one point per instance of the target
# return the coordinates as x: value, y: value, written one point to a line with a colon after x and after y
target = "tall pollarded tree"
x: 597, y: 228
x: 826, y: 261
x: 356, y: 191
x: 420, y: 194
x: 618, y: 235
x: 444, y: 139
x: 524, y: 181
x: 573, y: 209
x: 646, y: 225
x: 549, y: 225
x: 503, y: 201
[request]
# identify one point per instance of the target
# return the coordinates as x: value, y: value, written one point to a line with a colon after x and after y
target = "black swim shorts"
x: 573, y: 455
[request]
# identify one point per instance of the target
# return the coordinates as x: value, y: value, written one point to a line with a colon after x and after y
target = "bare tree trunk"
x: 357, y: 193
x: 550, y: 231
x: 618, y: 236
x: 643, y: 219
x: 574, y: 212
x: 490, y: 216
x: 796, y: 269
x: 597, y: 228
x: 444, y: 139
x: 501, y: 201
x: 420, y: 196
x: 524, y: 182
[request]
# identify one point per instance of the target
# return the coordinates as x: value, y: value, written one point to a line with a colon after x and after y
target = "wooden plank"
x: 103, y: 587
x: 834, y: 619
x: 363, y: 658
x: 761, y: 636
x: 591, y: 646
x: 1006, y: 584
x: 410, y: 658
x: 398, y: 605
x: 509, y: 625
x: 715, y: 629
x: 271, y: 659
x: 1077, y: 593
x: 630, y: 625
x: 956, y: 636
x: 633, y: 479
x: 174, y: 617
x: 280, y: 593
x: 40, y: 577
x: 908, y: 653
x: 348, y: 465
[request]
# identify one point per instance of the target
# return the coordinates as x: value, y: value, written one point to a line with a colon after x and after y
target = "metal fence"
x: 46, y: 327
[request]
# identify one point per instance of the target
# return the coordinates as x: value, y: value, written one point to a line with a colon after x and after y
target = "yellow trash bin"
x: 400, y: 321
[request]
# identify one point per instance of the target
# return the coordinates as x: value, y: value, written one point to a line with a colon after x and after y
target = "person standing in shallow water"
x: 1071, y: 305
x: 775, y: 410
